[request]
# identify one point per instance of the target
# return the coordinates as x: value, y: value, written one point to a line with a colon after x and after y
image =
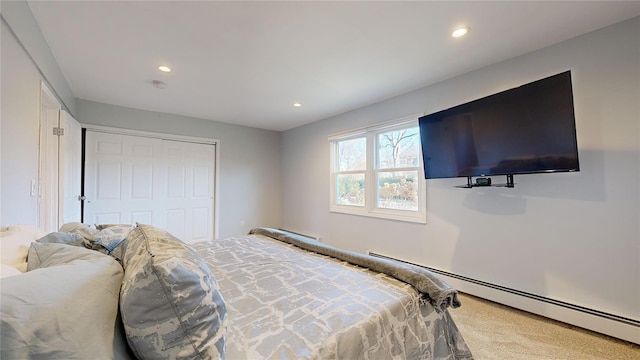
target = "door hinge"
x: 58, y: 131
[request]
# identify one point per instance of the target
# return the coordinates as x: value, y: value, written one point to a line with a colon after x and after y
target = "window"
x: 377, y: 172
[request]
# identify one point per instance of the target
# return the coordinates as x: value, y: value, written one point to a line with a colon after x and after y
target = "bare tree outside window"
x: 398, y: 150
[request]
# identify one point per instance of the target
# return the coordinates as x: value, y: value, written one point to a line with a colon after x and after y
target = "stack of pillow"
x: 65, y: 305
x: 14, y: 246
x: 90, y: 291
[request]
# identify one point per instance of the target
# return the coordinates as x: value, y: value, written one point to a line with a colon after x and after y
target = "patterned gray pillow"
x: 62, y: 238
x: 170, y: 302
x: 110, y: 239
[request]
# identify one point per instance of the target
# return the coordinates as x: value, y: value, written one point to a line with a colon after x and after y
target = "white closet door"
x: 121, y: 179
x: 168, y: 184
x: 188, y: 211
x: 70, y: 169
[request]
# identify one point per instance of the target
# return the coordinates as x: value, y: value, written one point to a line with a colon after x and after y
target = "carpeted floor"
x: 497, y: 332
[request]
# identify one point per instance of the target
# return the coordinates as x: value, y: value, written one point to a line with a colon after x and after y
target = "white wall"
x: 19, y: 131
x: 249, y: 192
x: 573, y: 237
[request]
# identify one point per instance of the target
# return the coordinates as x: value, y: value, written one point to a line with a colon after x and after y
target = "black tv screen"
x: 528, y: 129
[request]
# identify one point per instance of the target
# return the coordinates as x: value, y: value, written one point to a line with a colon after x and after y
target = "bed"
x: 138, y: 292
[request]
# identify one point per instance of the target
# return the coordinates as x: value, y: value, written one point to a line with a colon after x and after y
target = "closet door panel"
x: 166, y: 183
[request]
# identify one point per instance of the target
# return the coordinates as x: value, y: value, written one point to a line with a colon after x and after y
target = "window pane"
x: 352, y: 154
x: 350, y: 189
x: 398, y: 190
x: 399, y: 148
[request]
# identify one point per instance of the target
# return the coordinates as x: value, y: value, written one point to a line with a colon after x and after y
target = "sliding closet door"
x: 169, y: 184
x: 188, y: 189
x: 121, y: 179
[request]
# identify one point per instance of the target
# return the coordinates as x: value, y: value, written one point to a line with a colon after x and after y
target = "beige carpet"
x: 494, y: 331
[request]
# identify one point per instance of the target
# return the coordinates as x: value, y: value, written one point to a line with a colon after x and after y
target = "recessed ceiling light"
x: 164, y: 68
x: 460, y: 31
x: 297, y: 105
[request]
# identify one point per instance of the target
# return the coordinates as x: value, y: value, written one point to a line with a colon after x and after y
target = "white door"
x: 188, y: 210
x: 121, y: 179
x: 165, y: 183
x: 70, y: 170
x: 60, y: 165
x: 49, y: 156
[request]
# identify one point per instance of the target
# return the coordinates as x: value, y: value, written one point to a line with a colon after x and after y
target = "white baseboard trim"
x: 603, y: 325
x: 594, y: 320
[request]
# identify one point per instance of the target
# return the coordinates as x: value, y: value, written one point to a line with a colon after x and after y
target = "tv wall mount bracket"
x: 484, y: 181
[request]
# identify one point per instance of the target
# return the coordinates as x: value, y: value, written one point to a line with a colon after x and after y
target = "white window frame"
x: 370, y: 208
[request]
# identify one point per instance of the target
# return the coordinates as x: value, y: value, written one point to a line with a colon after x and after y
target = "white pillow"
x: 6, y: 271
x: 30, y: 229
x: 15, y: 242
x: 64, y: 307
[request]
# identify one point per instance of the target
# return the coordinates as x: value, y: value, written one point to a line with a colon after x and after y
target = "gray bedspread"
x: 284, y: 302
x: 438, y: 292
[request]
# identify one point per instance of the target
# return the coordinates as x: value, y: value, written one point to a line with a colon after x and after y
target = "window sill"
x: 412, y: 217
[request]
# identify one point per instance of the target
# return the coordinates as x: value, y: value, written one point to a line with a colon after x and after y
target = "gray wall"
x: 574, y: 237
x: 19, y: 132
x: 21, y: 21
x: 26, y: 62
x: 249, y: 189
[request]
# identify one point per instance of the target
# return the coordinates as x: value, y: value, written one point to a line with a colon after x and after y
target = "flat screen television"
x: 524, y: 130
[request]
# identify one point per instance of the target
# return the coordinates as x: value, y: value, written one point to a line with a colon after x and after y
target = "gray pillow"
x: 170, y: 302
x: 84, y: 230
x: 62, y: 238
x: 64, y: 307
x: 109, y: 240
x: 101, y: 227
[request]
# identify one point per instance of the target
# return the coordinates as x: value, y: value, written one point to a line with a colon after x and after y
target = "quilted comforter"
x: 284, y: 302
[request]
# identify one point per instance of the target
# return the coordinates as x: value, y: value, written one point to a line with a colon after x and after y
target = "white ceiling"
x: 247, y: 62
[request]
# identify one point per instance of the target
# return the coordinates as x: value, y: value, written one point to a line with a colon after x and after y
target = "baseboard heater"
x: 314, y: 237
x: 564, y: 304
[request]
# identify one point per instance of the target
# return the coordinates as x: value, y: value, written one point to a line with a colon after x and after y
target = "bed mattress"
x: 284, y: 302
